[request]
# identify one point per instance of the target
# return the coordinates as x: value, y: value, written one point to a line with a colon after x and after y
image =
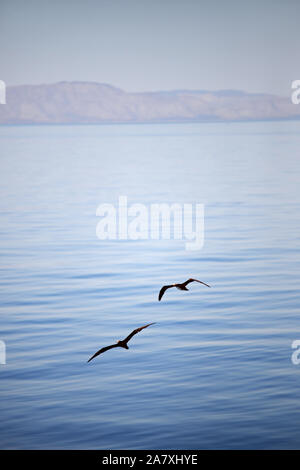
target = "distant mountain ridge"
x: 95, y: 103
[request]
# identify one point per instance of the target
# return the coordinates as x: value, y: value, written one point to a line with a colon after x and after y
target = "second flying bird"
x: 179, y: 286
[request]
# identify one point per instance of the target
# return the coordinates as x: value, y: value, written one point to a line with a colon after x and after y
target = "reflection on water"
x: 215, y: 371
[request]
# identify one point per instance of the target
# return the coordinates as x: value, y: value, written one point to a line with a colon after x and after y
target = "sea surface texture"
x: 216, y: 370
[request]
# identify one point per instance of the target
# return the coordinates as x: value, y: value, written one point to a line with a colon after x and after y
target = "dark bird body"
x: 179, y: 286
x: 120, y: 344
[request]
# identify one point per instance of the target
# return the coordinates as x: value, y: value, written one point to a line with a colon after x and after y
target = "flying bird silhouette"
x: 122, y: 343
x: 178, y: 286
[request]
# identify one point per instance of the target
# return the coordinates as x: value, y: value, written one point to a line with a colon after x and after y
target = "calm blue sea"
x: 215, y: 371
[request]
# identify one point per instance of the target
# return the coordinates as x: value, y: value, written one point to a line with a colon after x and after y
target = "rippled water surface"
x: 215, y: 371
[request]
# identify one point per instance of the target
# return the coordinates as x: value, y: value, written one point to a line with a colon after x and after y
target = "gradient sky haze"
x: 143, y: 45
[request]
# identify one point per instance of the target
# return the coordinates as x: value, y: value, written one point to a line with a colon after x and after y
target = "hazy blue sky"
x: 142, y: 45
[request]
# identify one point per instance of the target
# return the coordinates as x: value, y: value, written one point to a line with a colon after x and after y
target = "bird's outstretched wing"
x: 102, y: 350
x: 134, y: 332
x: 194, y: 280
x: 162, y: 291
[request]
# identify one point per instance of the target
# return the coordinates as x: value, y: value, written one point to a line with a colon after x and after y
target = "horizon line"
x: 171, y: 90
